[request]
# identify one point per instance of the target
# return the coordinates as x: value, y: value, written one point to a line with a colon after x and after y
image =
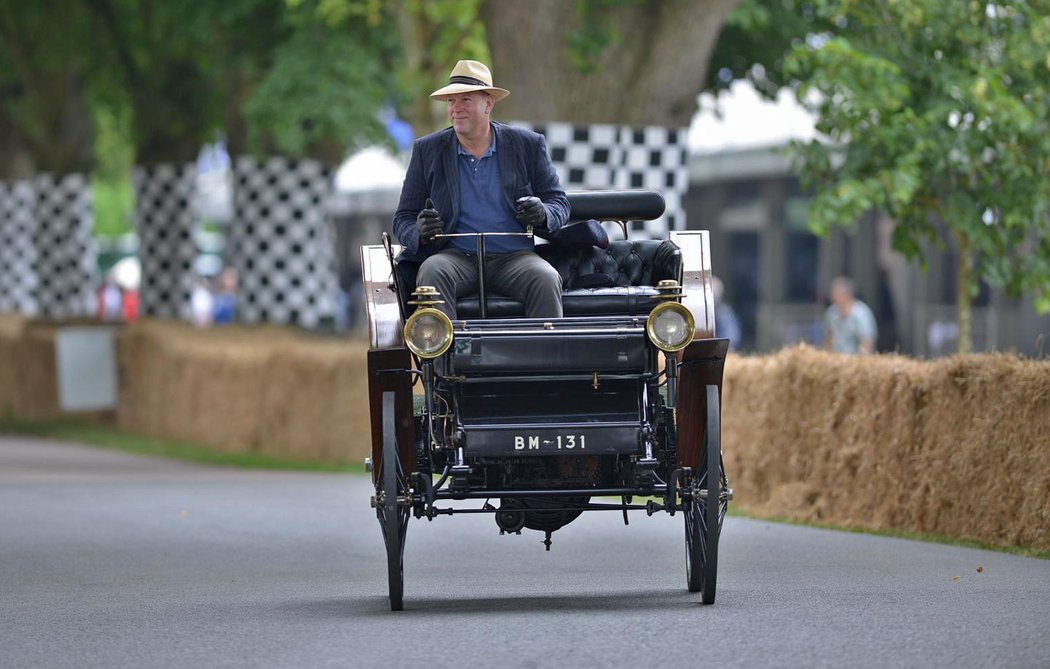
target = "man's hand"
x: 531, y: 212
x: 429, y: 223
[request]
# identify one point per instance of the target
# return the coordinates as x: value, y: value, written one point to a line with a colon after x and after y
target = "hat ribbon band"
x: 470, y: 81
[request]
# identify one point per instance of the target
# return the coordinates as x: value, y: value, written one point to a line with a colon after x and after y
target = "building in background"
x: 776, y: 271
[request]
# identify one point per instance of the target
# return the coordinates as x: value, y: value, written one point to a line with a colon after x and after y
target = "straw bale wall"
x: 28, y: 380
x: 265, y: 390
x: 958, y: 446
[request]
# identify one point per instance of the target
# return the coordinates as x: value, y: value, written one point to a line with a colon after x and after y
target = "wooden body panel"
x: 703, y: 363
x: 388, y: 371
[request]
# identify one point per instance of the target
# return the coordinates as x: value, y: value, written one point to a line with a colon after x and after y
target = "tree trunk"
x: 964, y: 299
x: 16, y: 161
x: 43, y: 103
x: 417, y: 33
x: 649, y: 73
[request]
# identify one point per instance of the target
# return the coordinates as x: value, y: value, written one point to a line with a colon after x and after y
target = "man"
x: 849, y: 325
x: 481, y: 176
x: 727, y: 325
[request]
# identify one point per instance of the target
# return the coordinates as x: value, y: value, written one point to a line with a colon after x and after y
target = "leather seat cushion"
x: 596, y: 282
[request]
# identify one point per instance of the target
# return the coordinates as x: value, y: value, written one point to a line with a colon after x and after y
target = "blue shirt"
x: 848, y: 330
x: 482, y: 205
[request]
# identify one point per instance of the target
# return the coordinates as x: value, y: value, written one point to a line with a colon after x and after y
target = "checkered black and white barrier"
x: 17, y: 248
x: 165, y: 222
x: 600, y: 156
x: 280, y: 241
x: 47, y: 252
x: 65, y: 246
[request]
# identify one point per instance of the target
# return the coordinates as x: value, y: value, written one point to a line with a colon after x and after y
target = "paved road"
x: 115, y: 560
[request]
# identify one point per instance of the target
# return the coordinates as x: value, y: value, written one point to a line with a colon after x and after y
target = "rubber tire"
x: 703, y: 520
x: 394, y: 521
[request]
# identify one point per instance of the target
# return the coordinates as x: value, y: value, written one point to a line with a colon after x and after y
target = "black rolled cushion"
x: 580, y: 235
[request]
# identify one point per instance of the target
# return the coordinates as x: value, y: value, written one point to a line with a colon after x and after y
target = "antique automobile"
x: 614, y: 407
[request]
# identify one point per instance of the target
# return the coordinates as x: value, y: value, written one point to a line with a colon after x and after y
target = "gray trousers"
x: 522, y: 275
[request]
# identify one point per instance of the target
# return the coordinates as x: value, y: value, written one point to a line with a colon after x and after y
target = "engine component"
x: 509, y: 519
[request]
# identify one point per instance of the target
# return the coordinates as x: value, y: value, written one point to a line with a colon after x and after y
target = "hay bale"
x: 28, y: 377
x: 264, y: 390
x: 958, y: 446
x: 11, y: 326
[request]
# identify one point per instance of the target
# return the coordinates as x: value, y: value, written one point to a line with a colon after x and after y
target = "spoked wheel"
x: 393, y: 515
x: 706, y: 509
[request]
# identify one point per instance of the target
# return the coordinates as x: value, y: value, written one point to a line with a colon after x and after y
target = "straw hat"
x: 468, y: 76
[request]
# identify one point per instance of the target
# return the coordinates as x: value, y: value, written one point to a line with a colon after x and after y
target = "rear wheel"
x: 706, y: 508
x: 392, y: 512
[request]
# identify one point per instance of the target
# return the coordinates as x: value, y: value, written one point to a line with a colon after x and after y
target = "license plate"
x: 568, y: 442
x: 493, y: 441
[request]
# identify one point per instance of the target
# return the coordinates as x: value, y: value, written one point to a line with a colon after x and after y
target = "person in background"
x: 224, y: 301
x: 849, y: 325
x: 202, y: 304
x: 108, y: 299
x: 130, y: 304
x: 727, y: 325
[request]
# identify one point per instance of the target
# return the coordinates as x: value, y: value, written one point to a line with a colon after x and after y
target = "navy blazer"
x: 525, y: 169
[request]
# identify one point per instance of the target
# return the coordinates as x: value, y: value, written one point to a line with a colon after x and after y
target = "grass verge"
x: 928, y: 537
x: 108, y: 436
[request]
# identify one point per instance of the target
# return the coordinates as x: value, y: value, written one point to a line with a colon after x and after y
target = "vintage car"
x: 614, y: 407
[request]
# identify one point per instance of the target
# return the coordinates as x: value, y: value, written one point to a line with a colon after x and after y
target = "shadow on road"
x: 369, y: 606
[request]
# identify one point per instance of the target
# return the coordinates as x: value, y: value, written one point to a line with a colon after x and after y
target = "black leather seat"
x: 595, y: 282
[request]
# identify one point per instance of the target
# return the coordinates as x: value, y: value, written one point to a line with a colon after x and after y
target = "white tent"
x: 368, y: 182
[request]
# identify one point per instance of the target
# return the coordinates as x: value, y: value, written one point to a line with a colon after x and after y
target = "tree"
x: 159, y: 60
x: 755, y: 41
x: 433, y: 37
x: 326, y: 81
x: 44, y: 89
x: 636, y: 62
x: 937, y: 113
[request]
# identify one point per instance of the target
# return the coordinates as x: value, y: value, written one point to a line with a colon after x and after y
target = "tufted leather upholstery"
x: 596, y: 282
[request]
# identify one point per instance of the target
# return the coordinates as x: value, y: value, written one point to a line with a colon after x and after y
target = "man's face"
x: 469, y: 112
x: 842, y: 298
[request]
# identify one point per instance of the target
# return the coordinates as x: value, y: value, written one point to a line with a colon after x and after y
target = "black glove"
x: 530, y: 211
x: 429, y: 223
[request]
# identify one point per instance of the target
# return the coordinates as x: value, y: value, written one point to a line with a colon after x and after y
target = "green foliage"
x: 165, y: 59
x: 432, y: 37
x: 108, y: 436
x: 114, y: 200
x: 327, y: 83
x: 44, y: 78
x: 755, y: 41
x: 114, y: 153
x: 935, y: 112
x: 113, y: 195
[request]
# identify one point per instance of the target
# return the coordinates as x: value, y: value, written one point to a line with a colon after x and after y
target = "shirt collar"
x: 491, y: 150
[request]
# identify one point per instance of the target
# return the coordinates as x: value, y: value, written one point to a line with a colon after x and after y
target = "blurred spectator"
x: 849, y: 325
x: 349, y: 299
x: 225, y: 299
x: 130, y: 304
x: 202, y: 303
x: 108, y: 300
x: 400, y: 131
x: 727, y: 325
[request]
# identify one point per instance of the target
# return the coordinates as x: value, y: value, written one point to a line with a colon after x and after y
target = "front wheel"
x: 706, y: 508
x: 391, y: 506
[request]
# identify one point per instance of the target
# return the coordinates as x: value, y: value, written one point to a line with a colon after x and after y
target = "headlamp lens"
x: 671, y: 326
x: 428, y: 333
